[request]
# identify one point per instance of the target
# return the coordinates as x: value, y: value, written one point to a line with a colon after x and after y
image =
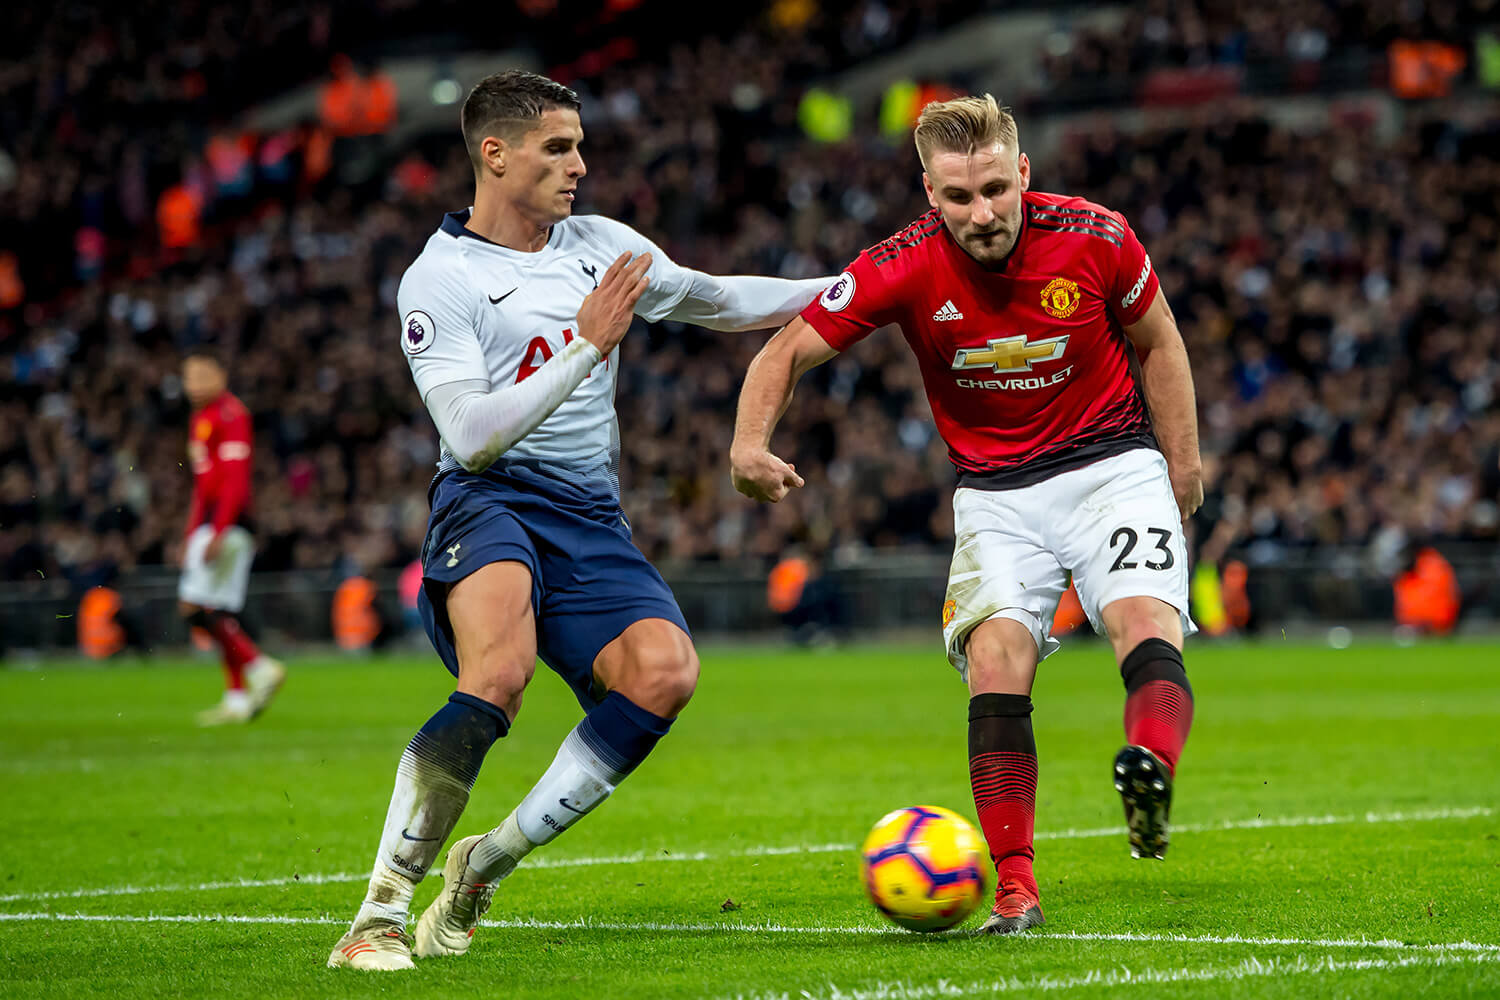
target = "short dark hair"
x: 510, y: 104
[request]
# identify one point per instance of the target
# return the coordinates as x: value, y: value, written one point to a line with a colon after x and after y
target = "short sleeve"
x: 438, y: 332
x: 860, y: 301
x: 1135, y: 283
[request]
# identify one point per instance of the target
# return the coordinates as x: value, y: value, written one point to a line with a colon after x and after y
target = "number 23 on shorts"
x: 1124, y: 541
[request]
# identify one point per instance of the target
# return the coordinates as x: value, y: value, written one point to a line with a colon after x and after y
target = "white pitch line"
x: 1233, y: 939
x: 1286, y: 822
x: 137, y: 890
x: 642, y: 857
x: 636, y: 858
x: 1250, y: 968
x: 736, y: 927
x: 523, y: 923
x: 164, y: 918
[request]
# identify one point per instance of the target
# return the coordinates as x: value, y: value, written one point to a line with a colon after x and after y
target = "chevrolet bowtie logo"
x: 1010, y: 354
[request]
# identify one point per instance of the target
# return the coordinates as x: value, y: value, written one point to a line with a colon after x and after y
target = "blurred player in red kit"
x: 1061, y: 384
x: 218, y: 548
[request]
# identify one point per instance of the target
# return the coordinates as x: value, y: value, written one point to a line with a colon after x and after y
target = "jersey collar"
x: 456, y: 224
x: 213, y: 403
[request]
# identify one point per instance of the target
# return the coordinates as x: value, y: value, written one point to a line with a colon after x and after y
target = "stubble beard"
x: 991, y: 253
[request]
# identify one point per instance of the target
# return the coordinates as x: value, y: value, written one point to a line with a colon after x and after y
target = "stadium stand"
x: 1338, y: 293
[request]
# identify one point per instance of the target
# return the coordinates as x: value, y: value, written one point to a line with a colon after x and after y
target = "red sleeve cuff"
x: 1138, y: 298
x: 828, y: 328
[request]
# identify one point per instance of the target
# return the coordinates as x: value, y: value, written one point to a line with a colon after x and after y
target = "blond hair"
x: 963, y: 125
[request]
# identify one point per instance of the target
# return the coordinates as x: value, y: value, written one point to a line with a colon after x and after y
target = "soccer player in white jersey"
x: 510, y: 319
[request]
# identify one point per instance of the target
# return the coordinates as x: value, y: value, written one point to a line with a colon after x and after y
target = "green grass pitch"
x: 1335, y: 833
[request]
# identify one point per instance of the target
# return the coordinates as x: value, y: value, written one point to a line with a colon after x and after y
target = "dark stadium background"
x: 1316, y: 182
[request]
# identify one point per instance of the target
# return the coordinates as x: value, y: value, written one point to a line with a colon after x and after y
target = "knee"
x: 664, y: 677
x: 1002, y: 657
x: 1134, y: 624
x: 1138, y: 631
x: 498, y: 679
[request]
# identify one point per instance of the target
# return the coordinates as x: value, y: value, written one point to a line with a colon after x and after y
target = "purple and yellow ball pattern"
x: 922, y: 867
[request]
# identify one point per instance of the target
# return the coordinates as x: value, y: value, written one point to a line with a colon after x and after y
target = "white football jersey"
x: 472, y: 309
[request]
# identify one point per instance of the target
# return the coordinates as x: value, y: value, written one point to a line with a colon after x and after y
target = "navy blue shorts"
x: 588, y: 580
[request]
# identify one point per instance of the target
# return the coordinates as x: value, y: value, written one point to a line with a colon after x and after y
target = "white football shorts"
x: 1114, y: 525
x: 219, y: 585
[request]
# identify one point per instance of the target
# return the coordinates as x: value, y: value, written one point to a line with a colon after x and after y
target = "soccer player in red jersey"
x: 218, y: 548
x: 1026, y: 312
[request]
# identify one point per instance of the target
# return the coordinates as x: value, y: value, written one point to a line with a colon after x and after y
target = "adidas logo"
x: 948, y: 312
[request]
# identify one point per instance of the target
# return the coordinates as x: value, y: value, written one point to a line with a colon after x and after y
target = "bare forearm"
x: 1168, y: 382
x: 754, y: 471
x: 766, y: 394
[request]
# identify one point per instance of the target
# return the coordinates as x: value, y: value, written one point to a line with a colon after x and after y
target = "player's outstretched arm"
x: 737, y: 302
x: 479, y: 426
x: 773, y: 374
x: 730, y: 303
x: 1168, y: 382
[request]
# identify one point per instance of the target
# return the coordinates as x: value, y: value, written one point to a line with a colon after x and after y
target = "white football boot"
x: 377, y: 946
x: 235, y: 708
x: 263, y: 677
x: 447, y: 926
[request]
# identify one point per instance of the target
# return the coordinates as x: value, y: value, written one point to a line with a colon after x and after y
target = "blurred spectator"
x: 178, y: 214
x: 809, y: 602
x: 354, y: 616
x: 352, y: 103
x: 1424, y: 69
x: 1427, y: 594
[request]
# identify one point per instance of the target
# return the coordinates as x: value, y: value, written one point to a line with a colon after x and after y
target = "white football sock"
x: 573, y: 786
x: 576, y: 782
x: 388, y: 898
x: 497, y: 855
x: 425, y: 806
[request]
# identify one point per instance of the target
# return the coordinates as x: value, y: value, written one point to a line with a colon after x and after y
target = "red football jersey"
x: 219, y: 444
x: 1026, y: 367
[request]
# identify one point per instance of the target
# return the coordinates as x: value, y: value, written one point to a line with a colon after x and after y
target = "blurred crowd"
x: 1159, y: 35
x: 102, y: 108
x: 1340, y: 298
x: 121, y: 121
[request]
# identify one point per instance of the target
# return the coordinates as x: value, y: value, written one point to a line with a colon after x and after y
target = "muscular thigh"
x: 1123, y: 539
x: 652, y: 663
x: 494, y: 632
x: 598, y: 589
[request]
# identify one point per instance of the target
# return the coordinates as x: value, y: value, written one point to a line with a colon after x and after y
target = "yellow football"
x: 922, y: 867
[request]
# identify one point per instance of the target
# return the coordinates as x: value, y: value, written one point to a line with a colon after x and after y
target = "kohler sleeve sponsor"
x: 1138, y: 287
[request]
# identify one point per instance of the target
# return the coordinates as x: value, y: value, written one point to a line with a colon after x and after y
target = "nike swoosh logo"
x: 418, y: 839
x: 495, y: 302
x: 569, y: 806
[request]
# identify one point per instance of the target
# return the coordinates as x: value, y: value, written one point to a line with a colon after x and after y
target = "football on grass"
x: 921, y: 866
